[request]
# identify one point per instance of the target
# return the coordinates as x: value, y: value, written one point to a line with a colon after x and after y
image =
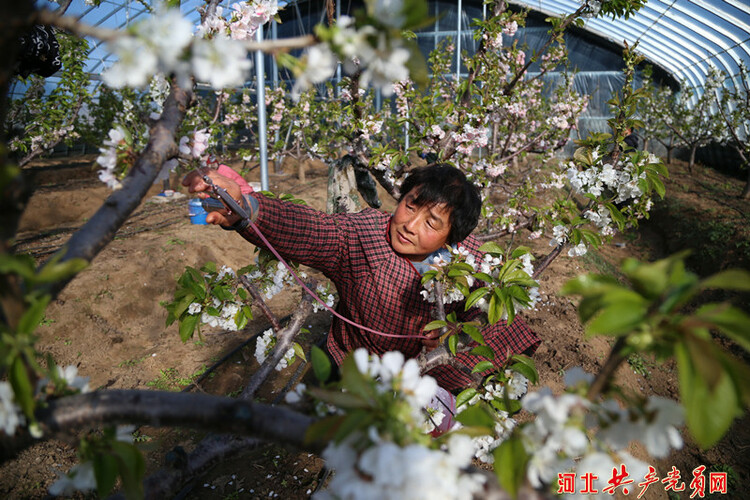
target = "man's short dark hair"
x: 443, y: 184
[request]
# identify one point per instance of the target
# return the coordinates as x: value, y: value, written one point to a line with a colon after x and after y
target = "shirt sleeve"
x: 302, y: 234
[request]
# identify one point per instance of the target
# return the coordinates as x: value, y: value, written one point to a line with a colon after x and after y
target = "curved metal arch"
x: 655, y: 36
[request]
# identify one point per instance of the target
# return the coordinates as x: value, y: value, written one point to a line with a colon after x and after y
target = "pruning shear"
x: 221, y: 200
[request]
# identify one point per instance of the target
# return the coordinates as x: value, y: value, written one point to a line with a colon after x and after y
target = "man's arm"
x: 297, y: 232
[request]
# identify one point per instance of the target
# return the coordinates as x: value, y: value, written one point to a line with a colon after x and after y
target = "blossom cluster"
x: 108, y: 157
x: 624, y: 183
x: 559, y: 434
x: 326, y: 295
x: 514, y: 386
x: 11, y: 416
x: 386, y: 470
x: 164, y: 43
x: 381, y: 63
x: 394, y: 374
x: 274, y: 278
x: 470, y: 138
x: 264, y: 347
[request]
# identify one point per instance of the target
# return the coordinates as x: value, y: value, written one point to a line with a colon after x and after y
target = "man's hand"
x: 195, y: 184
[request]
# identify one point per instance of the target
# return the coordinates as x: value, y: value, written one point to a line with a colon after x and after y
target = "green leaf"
x: 479, y: 415
x: 354, y: 381
x: 187, y: 326
x: 733, y: 322
x: 495, y: 311
x: 132, y: 468
x: 56, y: 271
x: 344, y: 400
x: 299, y: 351
x: 510, y: 464
x: 473, y: 332
x: 416, y: 64
x: 617, y: 319
x: 526, y: 371
x: 323, y: 430
x: 465, y: 395
x: 709, y: 411
x: 492, y: 248
x: 484, y: 351
x: 321, y: 364
x: 105, y: 472
x: 22, y: 389
x: 508, y: 405
x: 616, y: 215
x: 33, y: 315
x: 434, y: 325
x: 733, y: 279
x: 482, y: 366
x: 530, y: 364
x: 22, y: 265
x: 475, y: 296
x: 356, y: 420
x: 452, y: 344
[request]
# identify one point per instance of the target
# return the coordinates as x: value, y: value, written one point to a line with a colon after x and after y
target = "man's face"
x: 415, y: 231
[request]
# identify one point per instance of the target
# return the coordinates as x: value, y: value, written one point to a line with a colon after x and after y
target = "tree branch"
x: 546, y: 261
x: 260, y: 302
x: 284, y: 339
x: 604, y: 376
x: 63, y: 416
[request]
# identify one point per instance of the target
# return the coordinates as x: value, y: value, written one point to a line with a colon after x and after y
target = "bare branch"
x: 210, y: 9
x: 64, y: 416
x: 547, y: 261
x: 68, y: 23
x: 614, y: 360
x: 284, y: 339
x: 181, y: 468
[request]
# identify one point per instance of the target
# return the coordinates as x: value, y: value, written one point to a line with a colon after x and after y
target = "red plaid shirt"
x: 377, y: 287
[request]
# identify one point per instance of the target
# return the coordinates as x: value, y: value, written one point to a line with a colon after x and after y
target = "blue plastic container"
x: 196, y: 212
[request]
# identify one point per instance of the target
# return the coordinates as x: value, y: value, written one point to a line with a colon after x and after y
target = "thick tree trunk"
x: 692, y: 158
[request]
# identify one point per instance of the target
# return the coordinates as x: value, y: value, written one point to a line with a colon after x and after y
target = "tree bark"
x: 63, y: 416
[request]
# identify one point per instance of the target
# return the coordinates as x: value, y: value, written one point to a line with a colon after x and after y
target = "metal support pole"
x: 260, y: 81
x: 338, y: 65
x: 275, y: 69
x: 458, y: 42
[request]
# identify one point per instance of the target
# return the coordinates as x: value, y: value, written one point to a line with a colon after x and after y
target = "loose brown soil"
x: 109, y: 321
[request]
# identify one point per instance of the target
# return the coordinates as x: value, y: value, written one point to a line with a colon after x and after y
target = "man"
x: 376, y: 261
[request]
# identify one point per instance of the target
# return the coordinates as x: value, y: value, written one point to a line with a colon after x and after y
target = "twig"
x: 260, y: 302
x: 604, y: 376
x: 547, y: 260
x: 68, y: 23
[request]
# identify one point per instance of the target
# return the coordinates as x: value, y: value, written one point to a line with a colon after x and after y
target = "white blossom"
x: 320, y: 65
x: 386, y: 470
x: 80, y: 478
x: 221, y: 62
x: 10, y: 413
x: 70, y: 375
x: 264, y: 346
x: 136, y: 63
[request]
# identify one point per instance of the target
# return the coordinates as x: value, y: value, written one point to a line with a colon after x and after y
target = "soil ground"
x: 110, y: 324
